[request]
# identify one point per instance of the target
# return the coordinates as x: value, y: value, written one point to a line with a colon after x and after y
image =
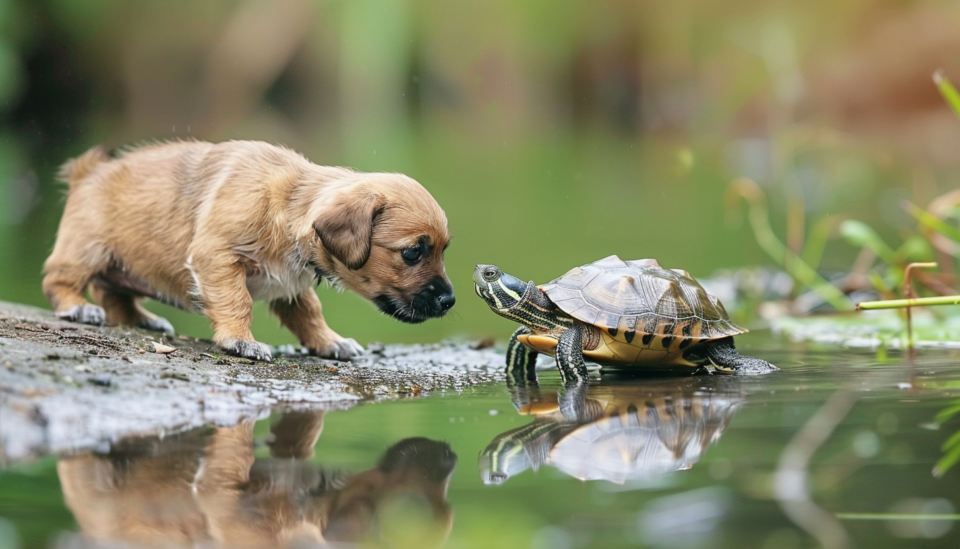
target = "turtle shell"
x: 634, y: 299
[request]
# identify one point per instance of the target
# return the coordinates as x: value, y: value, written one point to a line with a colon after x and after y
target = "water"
x: 836, y: 449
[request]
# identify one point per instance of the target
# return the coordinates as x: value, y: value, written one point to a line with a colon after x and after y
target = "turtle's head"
x: 500, y: 290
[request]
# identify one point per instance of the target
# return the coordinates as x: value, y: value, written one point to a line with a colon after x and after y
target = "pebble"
x: 101, y: 380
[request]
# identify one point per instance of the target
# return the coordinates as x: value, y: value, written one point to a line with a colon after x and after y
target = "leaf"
x: 162, y: 349
x: 862, y: 235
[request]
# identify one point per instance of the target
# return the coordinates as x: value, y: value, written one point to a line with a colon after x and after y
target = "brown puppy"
x: 212, y: 227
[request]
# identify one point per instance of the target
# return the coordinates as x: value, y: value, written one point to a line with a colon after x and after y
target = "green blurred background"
x: 552, y: 132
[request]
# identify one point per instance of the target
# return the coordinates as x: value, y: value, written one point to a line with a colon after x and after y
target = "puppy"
x: 211, y: 227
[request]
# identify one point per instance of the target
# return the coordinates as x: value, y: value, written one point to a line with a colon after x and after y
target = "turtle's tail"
x: 724, y: 356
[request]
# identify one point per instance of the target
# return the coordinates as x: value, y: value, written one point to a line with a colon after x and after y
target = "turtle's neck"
x: 536, y: 311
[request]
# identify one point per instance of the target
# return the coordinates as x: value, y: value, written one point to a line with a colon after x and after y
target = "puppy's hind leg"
x: 124, y: 309
x: 68, y: 272
x: 304, y: 317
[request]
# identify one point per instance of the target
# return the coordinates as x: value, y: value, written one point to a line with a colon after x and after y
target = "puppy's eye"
x: 411, y: 256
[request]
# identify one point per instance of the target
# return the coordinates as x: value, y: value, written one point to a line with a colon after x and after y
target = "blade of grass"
x: 793, y: 264
x: 860, y: 234
x: 817, y: 241
x: 931, y: 221
x: 948, y: 92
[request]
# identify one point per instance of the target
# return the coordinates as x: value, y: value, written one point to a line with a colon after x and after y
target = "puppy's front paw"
x: 157, y: 324
x: 247, y: 349
x: 86, y: 314
x: 342, y: 349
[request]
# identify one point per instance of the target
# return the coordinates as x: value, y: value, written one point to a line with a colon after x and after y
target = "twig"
x: 103, y: 342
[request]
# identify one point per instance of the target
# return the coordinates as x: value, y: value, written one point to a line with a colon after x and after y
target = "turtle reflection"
x: 208, y: 489
x: 614, y: 431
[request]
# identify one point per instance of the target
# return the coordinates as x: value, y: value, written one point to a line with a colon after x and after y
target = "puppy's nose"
x: 439, y: 296
x: 446, y: 301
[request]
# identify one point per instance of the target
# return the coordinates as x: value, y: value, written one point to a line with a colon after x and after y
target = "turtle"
x: 619, y: 314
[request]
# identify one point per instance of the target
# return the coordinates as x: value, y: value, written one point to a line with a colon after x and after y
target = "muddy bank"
x: 66, y: 386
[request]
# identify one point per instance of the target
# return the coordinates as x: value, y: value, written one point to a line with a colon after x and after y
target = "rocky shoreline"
x: 66, y: 387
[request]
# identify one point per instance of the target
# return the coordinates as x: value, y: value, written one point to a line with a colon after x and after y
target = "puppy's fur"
x: 211, y: 227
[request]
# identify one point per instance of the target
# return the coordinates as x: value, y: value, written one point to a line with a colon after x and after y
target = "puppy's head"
x: 383, y: 237
x: 412, y: 472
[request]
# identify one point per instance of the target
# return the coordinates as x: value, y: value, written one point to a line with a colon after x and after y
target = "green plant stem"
x: 904, y: 303
x: 895, y: 516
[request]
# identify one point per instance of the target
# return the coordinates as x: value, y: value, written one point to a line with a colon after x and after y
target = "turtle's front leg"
x: 724, y: 356
x: 521, y: 361
x: 570, y: 356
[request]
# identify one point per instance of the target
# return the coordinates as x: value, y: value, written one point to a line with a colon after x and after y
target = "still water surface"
x: 836, y: 449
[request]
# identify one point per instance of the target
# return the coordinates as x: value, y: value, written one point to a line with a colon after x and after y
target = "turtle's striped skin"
x: 620, y: 314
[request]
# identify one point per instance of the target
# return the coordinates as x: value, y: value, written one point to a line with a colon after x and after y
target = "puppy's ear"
x: 346, y: 229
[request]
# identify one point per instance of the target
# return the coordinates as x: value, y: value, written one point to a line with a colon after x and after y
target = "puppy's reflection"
x: 209, y: 488
x: 615, y: 431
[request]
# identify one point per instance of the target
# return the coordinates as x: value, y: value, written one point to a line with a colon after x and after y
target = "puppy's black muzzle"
x: 436, y: 298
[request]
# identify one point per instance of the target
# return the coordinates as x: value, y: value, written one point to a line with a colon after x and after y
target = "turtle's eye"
x: 411, y: 256
x: 491, y: 273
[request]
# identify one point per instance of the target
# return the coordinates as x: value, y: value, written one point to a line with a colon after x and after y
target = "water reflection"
x: 209, y: 488
x: 617, y: 430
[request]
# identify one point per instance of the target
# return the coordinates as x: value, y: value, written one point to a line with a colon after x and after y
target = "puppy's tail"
x: 75, y: 170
